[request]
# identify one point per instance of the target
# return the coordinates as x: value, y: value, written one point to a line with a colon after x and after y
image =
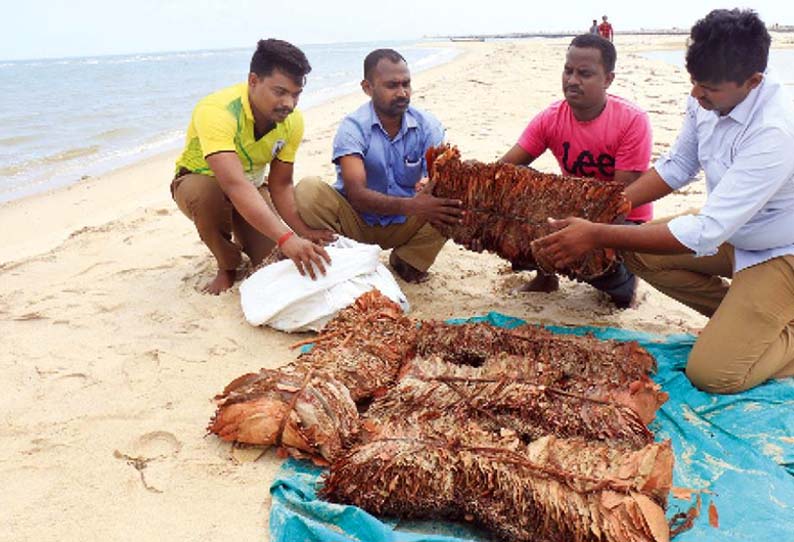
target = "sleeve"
x: 679, y: 166
x: 434, y: 132
x: 534, y: 138
x: 215, y: 127
x: 348, y: 140
x: 294, y: 137
x: 634, y: 151
x: 760, y: 168
x: 434, y: 136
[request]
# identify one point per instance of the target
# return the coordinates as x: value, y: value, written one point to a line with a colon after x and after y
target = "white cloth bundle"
x: 278, y: 296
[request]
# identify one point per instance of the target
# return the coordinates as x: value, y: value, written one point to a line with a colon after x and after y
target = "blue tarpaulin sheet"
x: 738, y: 448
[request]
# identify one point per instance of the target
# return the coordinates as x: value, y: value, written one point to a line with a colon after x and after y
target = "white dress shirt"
x: 748, y: 159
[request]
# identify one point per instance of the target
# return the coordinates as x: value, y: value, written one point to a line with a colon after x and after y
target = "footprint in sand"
x: 67, y: 385
x: 156, y: 445
x: 142, y: 371
x: 148, y: 454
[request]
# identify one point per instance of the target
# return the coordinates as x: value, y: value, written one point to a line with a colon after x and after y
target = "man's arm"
x: 253, y: 208
x: 282, y: 191
x: 243, y: 195
x: 517, y: 156
x: 626, y: 177
x: 575, y: 236
x: 423, y: 204
x: 645, y: 188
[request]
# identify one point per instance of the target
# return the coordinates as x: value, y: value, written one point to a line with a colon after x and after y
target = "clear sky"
x: 55, y: 28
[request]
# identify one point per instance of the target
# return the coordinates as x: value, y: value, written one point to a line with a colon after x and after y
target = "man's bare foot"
x: 222, y: 282
x: 542, y: 282
x: 406, y: 271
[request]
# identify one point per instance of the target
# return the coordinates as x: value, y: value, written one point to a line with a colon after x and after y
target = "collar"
x: 741, y: 113
x: 409, y: 121
x: 246, y: 104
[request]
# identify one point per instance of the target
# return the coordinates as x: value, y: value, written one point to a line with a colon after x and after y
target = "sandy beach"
x: 111, y: 355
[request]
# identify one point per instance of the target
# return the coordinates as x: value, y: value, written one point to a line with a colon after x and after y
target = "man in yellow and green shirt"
x: 220, y: 181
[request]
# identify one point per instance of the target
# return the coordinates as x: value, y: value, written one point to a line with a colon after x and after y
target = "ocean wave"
x: 121, y: 59
x: 61, y: 169
x: 156, y: 143
x: 335, y: 75
x: 11, y: 170
x: 16, y: 140
x: 114, y: 133
x: 440, y: 57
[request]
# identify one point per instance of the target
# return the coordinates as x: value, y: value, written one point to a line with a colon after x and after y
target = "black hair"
x: 727, y: 45
x: 273, y: 54
x: 594, y: 41
x: 376, y: 56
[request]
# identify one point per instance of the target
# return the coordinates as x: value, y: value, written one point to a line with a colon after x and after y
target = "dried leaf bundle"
x: 507, y: 207
x: 308, y: 406
x: 364, y: 346
x: 609, y: 371
x: 550, y: 490
x: 308, y: 414
x: 442, y: 394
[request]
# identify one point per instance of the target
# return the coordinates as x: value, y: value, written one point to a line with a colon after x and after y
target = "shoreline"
x: 113, y: 159
x: 76, y: 203
x: 779, y: 29
x: 664, y: 40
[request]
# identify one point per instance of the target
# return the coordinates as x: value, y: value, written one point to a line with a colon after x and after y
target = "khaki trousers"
x: 219, y: 225
x: 416, y: 242
x: 750, y: 335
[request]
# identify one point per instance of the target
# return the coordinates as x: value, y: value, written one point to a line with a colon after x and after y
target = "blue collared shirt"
x: 393, y: 166
x: 748, y: 160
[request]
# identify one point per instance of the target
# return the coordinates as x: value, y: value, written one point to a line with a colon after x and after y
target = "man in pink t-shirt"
x: 592, y: 134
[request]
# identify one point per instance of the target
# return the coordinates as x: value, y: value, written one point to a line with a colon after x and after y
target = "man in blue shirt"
x: 379, y: 152
x: 738, y: 129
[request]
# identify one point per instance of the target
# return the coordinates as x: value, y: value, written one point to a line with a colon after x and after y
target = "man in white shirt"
x: 739, y: 129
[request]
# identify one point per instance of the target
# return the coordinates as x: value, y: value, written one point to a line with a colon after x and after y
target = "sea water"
x: 62, y: 120
x: 780, y: 65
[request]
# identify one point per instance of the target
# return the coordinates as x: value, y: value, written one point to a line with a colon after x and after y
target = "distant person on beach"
x: 594, y: 27
x: 605, y: 29
x: 379, y: 152
x: 591, y: 134
x: 220, y: 183
x: 739, y: 130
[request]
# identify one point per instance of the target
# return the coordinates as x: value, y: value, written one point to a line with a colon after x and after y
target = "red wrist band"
x: 284, y: 238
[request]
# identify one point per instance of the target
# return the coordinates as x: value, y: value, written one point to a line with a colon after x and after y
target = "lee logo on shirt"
x: 586, y: 165
x: 277, y: 146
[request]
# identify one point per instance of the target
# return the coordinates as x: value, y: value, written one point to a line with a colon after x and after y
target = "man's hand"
x: 305, y: 255
x: 321, y: 237
x: 575, y: 238
x: 435, y: 210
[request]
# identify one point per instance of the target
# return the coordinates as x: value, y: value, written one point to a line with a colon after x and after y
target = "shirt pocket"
x: 412, y: 171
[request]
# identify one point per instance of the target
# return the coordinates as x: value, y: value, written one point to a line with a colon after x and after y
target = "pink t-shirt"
x: 619, y: 138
